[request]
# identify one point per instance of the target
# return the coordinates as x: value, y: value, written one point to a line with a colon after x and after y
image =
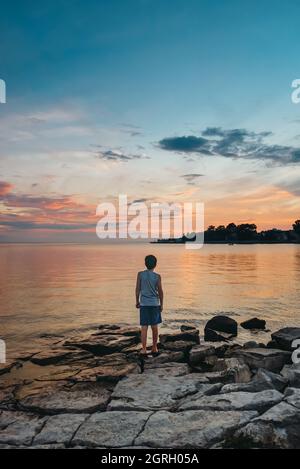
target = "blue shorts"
x: 150, y: 315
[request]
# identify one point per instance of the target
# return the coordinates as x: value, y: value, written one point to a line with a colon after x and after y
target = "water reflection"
x: 57, y: 287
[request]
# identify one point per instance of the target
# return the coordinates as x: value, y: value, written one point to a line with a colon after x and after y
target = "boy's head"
x: 150, y: 262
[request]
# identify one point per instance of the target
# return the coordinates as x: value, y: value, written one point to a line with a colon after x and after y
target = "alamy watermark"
x: 176, y: 222
x: 2, y: 91
x: 295, y: 96
x: 296, y: 353
x: 2, y: 351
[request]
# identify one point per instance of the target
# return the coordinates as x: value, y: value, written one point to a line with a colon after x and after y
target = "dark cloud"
x: 192, y: 178
x: 138, y: 201
x: 113, y: 155
x: 189, y: 144
x: 233, y: 143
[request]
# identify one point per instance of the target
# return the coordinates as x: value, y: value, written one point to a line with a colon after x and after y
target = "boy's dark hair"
x: 150, y: 262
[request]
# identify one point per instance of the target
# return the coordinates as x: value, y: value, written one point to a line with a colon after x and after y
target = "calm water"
x: 58, y: 288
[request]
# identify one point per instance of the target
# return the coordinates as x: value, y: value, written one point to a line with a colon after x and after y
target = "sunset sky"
x: 171, y: 101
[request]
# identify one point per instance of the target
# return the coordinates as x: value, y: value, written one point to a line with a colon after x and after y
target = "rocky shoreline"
x: 94, y: 391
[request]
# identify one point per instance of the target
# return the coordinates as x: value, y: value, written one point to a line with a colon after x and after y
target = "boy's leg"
x: 144, y: 338
x: 154, y: 337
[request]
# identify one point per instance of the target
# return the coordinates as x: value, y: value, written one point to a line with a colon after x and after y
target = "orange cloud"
x: 5, y: 188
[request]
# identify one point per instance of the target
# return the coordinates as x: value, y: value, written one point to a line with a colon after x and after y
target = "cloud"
x: 192, y: 178
x: 139, y: 201
x: 131, y: 129
x: 31, y: 225
x: 115, y: 155
x: 5, y: 188
x: 189, y: 144
x: 233, y: 143
x: 27, y: 212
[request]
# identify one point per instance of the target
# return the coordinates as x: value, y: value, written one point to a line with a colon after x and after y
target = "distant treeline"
x: 247, y: 233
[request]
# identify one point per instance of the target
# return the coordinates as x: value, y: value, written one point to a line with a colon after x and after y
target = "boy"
x: 149, y: 299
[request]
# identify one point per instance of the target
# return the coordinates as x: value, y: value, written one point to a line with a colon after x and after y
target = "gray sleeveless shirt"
x: 149, y: 283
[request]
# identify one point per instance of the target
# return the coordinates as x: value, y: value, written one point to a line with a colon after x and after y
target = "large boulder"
x: 254, y: 323
x: 285, y: 337
x: 220, y: 324
x: 270, y: 359
x: 278, y: 428
x: 259, y: 401
x: 191, y: 429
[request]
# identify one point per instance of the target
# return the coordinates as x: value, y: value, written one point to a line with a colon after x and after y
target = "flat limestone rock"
x: 18, y: 428
x: 7, y: 397
x: 103, y: 344
x: 191, y: 429
x: 178, y: 346
x: 59, y: 429
x: 241, y: 401
x: 188, y: 336
x: 166, y: 356
x: 150, y: 391
x: 278, y: 428
x: 167, y: 369
x: 270, y: 359
x: 60, y: 355
x: 8, y: 366
x: 119, y: 330
x: 106, y: 373
x: 110, y: 429
x: 59, y: 400
x: 286, y: 336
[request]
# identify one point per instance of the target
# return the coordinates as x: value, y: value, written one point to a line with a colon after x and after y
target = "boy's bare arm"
x: 160, y: 293
x: 137, y: 291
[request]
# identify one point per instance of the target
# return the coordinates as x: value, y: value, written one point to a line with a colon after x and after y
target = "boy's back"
x: 149, y: 288
x: 149, y: 299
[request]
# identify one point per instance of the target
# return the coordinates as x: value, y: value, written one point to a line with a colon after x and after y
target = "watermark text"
x: 138, y: 220
x: 2, y: 91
